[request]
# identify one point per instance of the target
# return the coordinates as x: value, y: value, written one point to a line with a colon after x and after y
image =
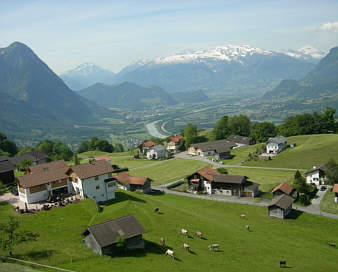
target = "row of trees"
x: 7, y: 147
x: 95, y: 143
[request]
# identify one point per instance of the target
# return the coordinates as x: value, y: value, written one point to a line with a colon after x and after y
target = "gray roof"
x: 282, y: 201
x: 219, y: 146
x: 158, y: 147
x: 315, y: 168
x: 239, y: 139
x: 108, y: 233
x: 251, y: 185
x: 6, y: 165
x: 33, y: 156
x: 277, y: 140
x: 224, y: 178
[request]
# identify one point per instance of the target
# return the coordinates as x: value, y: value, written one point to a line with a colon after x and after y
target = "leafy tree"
x: 305, y: 191
x: 118, y: 147
x: 7, y: 146
x: 24, y: 164
x: 83, y: 147
x: 190, y: 133
x: 95, y: 143
x: 76, y: 159
x: 261, y: 132
x: 222, y: 170
x: 221, y: 129
x: 12, y: 236
x: 332, y: 172
x: 239, y: 125
x: 55, y: 150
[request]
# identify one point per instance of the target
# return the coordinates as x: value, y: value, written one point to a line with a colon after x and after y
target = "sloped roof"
x: 149, y: 143
x: 176, y: 138
x: 42, y: 177
x: 34, y: 156
x: 208, y: 173
x: 335, y: 188
x: 316, y: 168
x: 282, y: 201
x: 158, y: 148
x: 60, y: 164
x: 239, y: 139
x: 108, y: 233
x: 251, y: 185
x: 102, y: 157
x: 224, y: 178
x: 92, y: 169
x: 220, y: 146
x: 6, y: 165
x: 277, y: 140
x: 125, y: 179
x: 284, y: 187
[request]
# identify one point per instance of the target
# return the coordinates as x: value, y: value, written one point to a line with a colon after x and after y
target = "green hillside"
x: 310, y: 150
x: 301, y: 242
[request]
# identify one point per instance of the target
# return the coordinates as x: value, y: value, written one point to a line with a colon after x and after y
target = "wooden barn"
x: 280, y: 206
x: 282, y: 189
x: 102, y: 238
x: 131, y: 183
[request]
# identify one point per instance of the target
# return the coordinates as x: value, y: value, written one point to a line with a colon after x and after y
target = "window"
x: 97, y: 187
x: 96, y: 178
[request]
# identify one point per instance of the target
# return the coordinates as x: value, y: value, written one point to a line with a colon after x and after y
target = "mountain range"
x: 321, y: 81
x: 33, y: 99
x: 86, y: 75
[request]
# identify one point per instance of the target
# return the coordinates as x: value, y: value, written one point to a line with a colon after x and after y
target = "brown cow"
x: 332, y: 244
x: 198, y: 234
x: 247, y: 227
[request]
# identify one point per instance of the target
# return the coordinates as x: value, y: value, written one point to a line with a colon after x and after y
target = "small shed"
x: 335, y: 191
x: 280, y: 206
x: 103, y: 237
x: 131, y: 183
x: 281, y: 189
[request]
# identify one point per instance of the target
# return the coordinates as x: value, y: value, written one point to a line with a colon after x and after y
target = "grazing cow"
x: 186, y: 247
x: 170, y: 253
x: 213, y: 246
x: 282, y: 263
x: 198, y: 234
x: 247, y: 227
x: 184, y: 232
x: 156, y: 210
x: 332, y: 244
x: 162, y: 241
x: 242, y: 216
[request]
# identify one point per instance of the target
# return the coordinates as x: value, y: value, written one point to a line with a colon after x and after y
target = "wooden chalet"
x: 131, y: 183
x: 280, y: 206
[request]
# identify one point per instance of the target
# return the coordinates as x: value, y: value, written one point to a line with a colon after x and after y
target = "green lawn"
x: 327, y: 204
x: 171, y: 170
x: 241, y: 154
x: 302, y: 242
x: 310, y: 150
x: 11, y: 267
x: 266, y: 178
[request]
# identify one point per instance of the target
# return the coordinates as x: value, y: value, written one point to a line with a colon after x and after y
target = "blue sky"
x: 113, y: 34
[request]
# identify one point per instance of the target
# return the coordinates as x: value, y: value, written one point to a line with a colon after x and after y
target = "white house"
x: 55, y: 178
x: 156, y: 152
x: 316, y: 176
x: 276, y: 145
x: 175, y: 142
x: 220, y: 149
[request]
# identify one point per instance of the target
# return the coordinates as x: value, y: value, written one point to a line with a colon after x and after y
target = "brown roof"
x: 335, y: 188
x: 224, y: 178
x: 282, y: 201
x: 315, y: 168
x: 284, y: 187
x: 108, y: 233
x: 239, y: 139
x: 48, y: 166
x: 42, y: 177
x: 208, y: 173
x: 125, y: 179
x: 33, y: 156
x: 102, y: 157
x: 93, y: 169
x: 176, y: 138
x: 149, y: 143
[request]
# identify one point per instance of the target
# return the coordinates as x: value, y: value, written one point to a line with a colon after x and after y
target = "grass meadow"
x: 301, y: 241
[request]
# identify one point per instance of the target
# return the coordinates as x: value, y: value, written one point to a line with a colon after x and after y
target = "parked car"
x: 14, y: 191
x: 323, y: 188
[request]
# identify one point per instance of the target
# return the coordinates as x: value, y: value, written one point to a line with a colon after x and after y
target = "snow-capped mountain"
x: 86, y: 75
x: 228, y: 68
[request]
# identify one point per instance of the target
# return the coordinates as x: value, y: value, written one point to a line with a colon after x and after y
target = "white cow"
x: 170, y: 253
x: 213, y: 246
x: 184, y: 232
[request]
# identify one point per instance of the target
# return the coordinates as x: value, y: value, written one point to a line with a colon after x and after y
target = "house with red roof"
x: 282, y: 189
x: 175, y: 143
x: 131, y: 183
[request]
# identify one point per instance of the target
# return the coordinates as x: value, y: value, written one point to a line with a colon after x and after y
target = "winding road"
x: 153, y: 131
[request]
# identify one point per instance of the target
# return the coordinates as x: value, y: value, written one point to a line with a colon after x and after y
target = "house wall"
x: 275, y: 211
x: 155, y: 154
x: 92, y: 244
x: 254, y: 192
x: 207, y: 153
x: 97, y: 189
x: 335, y: 197
x: 207, y: 187
x: 35, y: 196
x: 192, y: 151
x: 315, y: 178
x: 223, y: 155
x: 274, y: 148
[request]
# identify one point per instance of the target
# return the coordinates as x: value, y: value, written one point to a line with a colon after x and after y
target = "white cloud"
x: 331, y: 27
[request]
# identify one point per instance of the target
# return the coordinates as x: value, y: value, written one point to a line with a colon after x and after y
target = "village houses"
x: 316, y: 175
x: 175, y: 143
x: 220, y: 149
x: 156, y: 152
x: 276, y: 145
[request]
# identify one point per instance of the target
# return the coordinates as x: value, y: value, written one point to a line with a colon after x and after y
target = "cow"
x: 186, y: 247
x: 184, y: 232
x: 282, y: 263
x: 170, y: 253
x: 213, y: 247
x: 331, y: 244
x: 156, y: 210
x: 242, y: 216
x: 198, y: 234
x: 247, y: 227
x: 162, y: 241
